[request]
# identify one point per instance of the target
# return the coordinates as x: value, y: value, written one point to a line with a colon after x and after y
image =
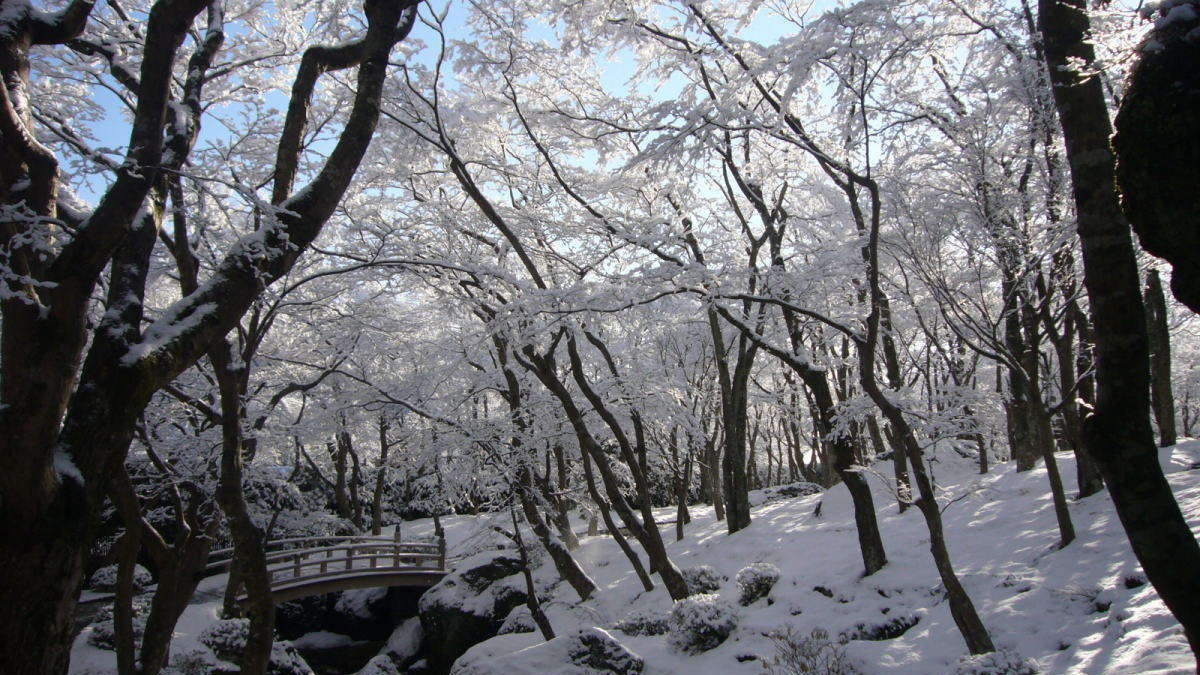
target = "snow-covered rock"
x: 469, y: 605
x: 597, y: 650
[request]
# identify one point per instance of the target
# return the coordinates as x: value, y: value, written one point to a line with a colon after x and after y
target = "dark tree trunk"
x: 613, y: 531
x: 1119, y: 431
x: 248, y: 549
x: 568, y: 568
x: 531, y: 598
x: 1158, y: 333
x: 377, y: 497
x: 128, y: 547
x: 1087, y: 471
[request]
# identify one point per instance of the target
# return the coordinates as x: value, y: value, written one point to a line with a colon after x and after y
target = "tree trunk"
x: 247, y: 543
x: 613, y: 531
x: 1158, y: 333
x: 531, y: 598
x: 1119, y: 431
x: 568, y: 568
x: 377, y: 497
x: 128, y: 547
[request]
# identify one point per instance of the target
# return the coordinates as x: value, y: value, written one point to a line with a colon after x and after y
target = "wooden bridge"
x: 304, y: 566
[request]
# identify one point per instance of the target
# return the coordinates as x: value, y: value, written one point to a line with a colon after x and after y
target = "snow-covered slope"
x: 1082, y: 609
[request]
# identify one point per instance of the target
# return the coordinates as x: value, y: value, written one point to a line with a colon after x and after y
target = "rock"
x: 520, y: 620
x: 469, y: 606
x: 887, y: 630
x: 380, y: 665
x: 597, y: 650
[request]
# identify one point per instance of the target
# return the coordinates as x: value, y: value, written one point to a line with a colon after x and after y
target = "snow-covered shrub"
x: 755, y: 582
x: 520, y: 620
x: 192, y: 662
x: 702, y: 579
x: 227, y: 638
x: 643, y: 622
x: 1001, y: 662
x: 699, y: 623
x: 812, y: 654
x: 105, y: 579
x: 597, y: 650
x: 104, y: 633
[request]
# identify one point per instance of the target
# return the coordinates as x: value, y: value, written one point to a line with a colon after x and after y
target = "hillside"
x: 1084, y: 609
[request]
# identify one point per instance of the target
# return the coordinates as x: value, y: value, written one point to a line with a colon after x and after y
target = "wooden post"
x: 296, y: 566
x: 349, y: 558
x: 442, y: 552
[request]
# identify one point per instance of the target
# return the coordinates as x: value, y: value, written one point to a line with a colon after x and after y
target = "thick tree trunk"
x: 248, y: 549
x: 128, y: 547
x: 1159, y: 335
x: 1119, y: 432
x: 870, y: 543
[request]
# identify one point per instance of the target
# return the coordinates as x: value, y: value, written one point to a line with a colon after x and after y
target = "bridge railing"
x: 326, y: 556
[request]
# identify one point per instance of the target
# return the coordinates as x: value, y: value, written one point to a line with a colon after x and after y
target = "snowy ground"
x: 1076, y: 610
x: 1069, y: 610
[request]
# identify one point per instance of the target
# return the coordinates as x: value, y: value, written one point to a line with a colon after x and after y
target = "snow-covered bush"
x: 1001, y: 662
x: 699, y: 623
x: 702, y: 579
x: 192, y: 662
x: 812, y: 654
x: 227, y: 638
x: 103, y: 635
x: 755, y: 582
x: 105, y: 579
x: 643, y: 622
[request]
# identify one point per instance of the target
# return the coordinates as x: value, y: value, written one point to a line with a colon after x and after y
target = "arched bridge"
x: 305, y: 566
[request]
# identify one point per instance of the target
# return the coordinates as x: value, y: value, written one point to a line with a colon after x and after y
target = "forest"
x: 599, y: 336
